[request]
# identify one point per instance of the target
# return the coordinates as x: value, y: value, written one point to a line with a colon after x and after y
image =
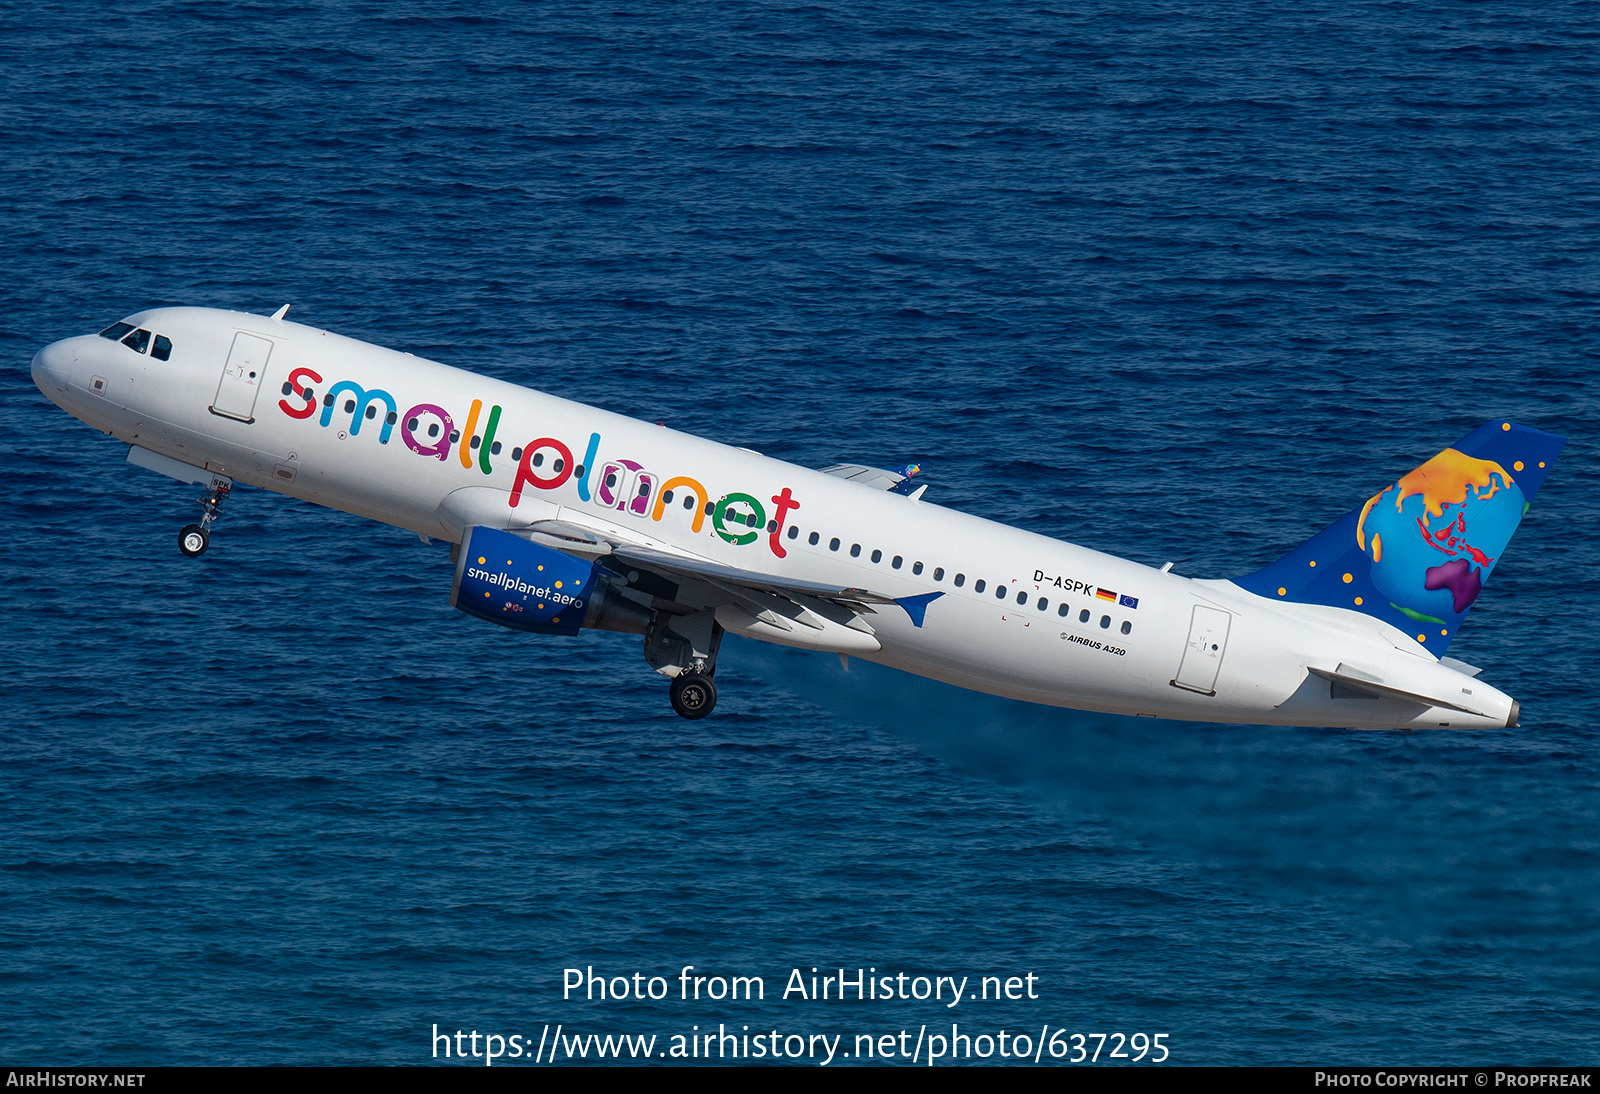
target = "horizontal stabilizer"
x: 1460, y: 666
x: 1419, y: 551
x: 1376, y: 688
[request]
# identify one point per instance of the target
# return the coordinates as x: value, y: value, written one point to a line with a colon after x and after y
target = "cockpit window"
x: 140, y: 340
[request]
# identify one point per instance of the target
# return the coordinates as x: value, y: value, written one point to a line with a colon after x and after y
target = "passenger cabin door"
x: 241, y: 377
x: 1202, y: 656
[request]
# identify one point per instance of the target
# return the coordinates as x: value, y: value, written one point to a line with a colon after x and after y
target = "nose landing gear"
x: 195, y: 538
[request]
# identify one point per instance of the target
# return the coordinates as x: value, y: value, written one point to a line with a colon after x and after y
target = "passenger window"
x: 938, y: 573
x: 1063, y: 610
x: 833, y: 544
x: 163, y: 348
x: 666, y: 497
x: 898, y: 562
x: 794, y: 531
x: 138, y: 341
x: 916, y: 567
x: 961, y: 579
x: 855, y: 550
x: 1127, y: 627
x: 1000, y: 592
x: 977, y: 586
x: 877, y: 555
x: 814, y: 538
x: 1105, y: 622
x: 1083, y: 616
x: 1022, y: 598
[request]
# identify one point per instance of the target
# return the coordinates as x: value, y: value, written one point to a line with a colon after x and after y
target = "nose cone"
x: 50, y: 368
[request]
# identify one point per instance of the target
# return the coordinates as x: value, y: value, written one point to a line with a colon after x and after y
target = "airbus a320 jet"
x: 563, y: 516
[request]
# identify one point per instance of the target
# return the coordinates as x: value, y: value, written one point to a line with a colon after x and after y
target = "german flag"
x: 1105, y: 594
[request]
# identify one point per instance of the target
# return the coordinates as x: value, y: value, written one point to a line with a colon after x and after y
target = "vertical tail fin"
x: 1419, y: 551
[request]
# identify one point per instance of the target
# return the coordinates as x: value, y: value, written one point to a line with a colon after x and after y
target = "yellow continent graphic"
x: 1443, y: 480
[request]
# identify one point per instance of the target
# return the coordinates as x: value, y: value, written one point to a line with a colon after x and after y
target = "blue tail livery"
x: 1417, y: 554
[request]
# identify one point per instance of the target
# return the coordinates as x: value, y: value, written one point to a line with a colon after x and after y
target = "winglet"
x: 1419, y: 551
x: 917, y: 606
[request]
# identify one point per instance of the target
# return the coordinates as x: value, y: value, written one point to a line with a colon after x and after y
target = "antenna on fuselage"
x: 277, y: 316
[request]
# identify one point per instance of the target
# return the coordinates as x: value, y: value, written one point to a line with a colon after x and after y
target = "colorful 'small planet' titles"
x: 626, y: 486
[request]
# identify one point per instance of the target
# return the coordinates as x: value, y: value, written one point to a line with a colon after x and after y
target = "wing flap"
x: 668, y: 563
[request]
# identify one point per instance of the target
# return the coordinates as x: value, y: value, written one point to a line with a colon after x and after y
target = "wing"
x: 663, y: 578
x: 877, y: 478
x: 788, y: 611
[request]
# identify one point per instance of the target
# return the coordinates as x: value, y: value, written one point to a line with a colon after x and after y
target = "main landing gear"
x: 694, y: 695
x: 684, y: 647
x: 195, y: 538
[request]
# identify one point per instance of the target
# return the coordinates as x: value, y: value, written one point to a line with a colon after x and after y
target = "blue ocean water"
x: 1173, y: 281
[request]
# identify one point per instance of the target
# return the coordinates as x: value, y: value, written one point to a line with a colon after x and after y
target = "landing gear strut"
x: 195, y: 538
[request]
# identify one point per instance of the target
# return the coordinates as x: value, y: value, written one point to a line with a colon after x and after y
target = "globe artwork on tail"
x: 1434, y: 535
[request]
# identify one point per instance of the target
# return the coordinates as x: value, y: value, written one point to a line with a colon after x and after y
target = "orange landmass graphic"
x: 1443, y: 480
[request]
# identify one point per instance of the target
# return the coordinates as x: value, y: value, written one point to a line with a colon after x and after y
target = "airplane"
x: 563, y: 517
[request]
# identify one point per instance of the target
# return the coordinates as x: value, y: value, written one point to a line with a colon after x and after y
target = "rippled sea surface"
x: 1174, y: 281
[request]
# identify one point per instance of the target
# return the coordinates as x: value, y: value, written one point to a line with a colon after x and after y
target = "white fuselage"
x: 1021, y: 615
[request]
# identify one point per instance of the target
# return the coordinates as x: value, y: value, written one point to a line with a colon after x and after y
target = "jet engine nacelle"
x: 529, y: 587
